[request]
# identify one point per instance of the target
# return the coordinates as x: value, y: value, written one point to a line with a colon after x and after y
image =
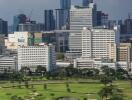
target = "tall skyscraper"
x: 62, y: 19
x: 19, y: 19
x: 62, y: 15
x: 49, y: 20
x: 80, y: 17
x: 3, y: 27
x: 86, y: 2
x: 128, y: 24
x: 65, y: 4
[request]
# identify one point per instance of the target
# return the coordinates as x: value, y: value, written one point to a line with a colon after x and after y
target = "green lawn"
x: 78, y: 90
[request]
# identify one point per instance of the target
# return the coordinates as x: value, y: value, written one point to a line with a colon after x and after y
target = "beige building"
x: 112, y: 52
x: 17, y: 39
x: 124, y: 52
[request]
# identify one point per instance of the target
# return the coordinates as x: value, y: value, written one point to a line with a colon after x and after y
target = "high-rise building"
x: 19, y: 19
x: 99, y: 18
x: 102, y: 19
x: 31, y: 27
x: 62, y: 15
x: 3, y: 27
x: 33, y: 56
x: 86, y: 3
x: 80, y: 17
x: 128, y: 24
x: 99, y: 43
x: 62, y: 19
x: 99, y: 48
x: 49, y: 20
x: 2, y: 44
x: 65, y: 4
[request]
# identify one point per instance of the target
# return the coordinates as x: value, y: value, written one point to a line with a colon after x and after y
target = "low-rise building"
x: 96, y: 63
x: 8, y: 63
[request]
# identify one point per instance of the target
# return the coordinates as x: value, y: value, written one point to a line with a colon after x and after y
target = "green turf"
x: 78, y: 90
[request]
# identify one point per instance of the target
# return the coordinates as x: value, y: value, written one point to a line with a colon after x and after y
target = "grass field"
x: 56, y: 89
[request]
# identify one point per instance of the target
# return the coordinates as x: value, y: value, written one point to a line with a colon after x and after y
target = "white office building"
x: 33, y: 56
x: 98, y: 46
x: 8, y: 63
x: 80, y: 17
x: 100, y: 43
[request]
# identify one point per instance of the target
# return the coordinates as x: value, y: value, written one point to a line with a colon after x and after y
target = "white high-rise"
x: 33, y: 56
x: 80, y: 17
x: 98, y: 46
x: 99, y: 43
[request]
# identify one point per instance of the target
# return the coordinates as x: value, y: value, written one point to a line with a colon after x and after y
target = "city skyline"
x: 116, y: 9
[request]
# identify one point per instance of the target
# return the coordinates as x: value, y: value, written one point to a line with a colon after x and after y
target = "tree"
x: 25, y: 70
x: 45, y: 86
x: 110, y: 72
x: 59, y: 56
x: 105, y: 80
x: 40, y: 70
x: 110, y: 92
x: 26, y: 81
x: 68, y: 87
x: 121, y: 73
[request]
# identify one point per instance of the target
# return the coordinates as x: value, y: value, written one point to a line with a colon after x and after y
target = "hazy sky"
x: 117, y: 9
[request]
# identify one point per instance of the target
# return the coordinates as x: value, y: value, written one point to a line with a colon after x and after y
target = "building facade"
x: 18, y: 39
x: 3, y: 27
x: 80, y: 17
x: 33, y: 56
x: 2, y: 44
x: 8, y: 63
x: 95, y: 63
x: 49, y: 20
x: 124, y: 52
x: 19, y: 19
x: 31, y: 27
x: 62, y: 19
x: 85, y: 3
x: 65, y: 4
x: 98, y: 47
x: 97, y: 43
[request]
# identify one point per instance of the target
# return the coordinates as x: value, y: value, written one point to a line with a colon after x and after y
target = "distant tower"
x: 62, y: 15
x: 86, y: 2
x: 49, y: 20
x: 3, y: 27
x: 19, y: 19
x: 65, y: 4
